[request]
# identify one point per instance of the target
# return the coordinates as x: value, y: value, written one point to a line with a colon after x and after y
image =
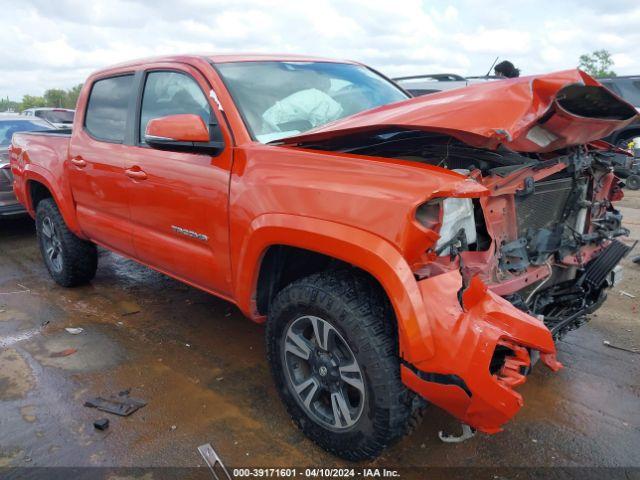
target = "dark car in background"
x: 627, y: 87
x: 10, y: 124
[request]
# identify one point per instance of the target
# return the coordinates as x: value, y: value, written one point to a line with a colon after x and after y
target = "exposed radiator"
x: 544, y: 207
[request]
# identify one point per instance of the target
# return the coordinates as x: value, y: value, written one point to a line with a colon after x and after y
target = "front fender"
x: 363, y: 249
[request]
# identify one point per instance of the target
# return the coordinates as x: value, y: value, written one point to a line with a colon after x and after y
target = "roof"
x: 227, y: 58
x: 440, y: 77
x: 15, y: 116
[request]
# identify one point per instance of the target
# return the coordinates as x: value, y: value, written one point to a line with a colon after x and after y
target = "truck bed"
x: 43, y: 153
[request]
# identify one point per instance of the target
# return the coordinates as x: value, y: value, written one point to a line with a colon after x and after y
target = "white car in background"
x: 59, y: 117
x: 418, y: 85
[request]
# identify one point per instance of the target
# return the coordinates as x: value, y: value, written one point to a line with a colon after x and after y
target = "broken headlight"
x: 453, y: 219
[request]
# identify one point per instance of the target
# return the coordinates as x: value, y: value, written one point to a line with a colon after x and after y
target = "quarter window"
x: 106, y: 116
x: 171, y: 93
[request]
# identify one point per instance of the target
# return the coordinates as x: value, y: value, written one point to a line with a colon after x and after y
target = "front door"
x: 178, y: 200
x: 95, y: 164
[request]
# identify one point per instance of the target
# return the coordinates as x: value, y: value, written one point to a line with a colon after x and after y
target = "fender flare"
x: 367, y: 251
x: 62, y: 196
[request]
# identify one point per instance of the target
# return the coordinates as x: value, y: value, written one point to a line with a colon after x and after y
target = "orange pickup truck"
x: 400, y: 250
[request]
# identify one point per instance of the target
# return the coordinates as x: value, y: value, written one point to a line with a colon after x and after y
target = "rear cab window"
x: 107, y: 108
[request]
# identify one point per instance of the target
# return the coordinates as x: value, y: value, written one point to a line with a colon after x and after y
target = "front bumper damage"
x: 484, y: 347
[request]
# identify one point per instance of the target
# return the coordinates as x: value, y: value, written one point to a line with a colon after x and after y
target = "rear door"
x: 179, y: 200
x: 96, y: 163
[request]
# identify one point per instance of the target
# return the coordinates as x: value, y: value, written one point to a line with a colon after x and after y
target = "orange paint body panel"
x: 465, y: 337
x: 185, y: 127
x: 208, y: 220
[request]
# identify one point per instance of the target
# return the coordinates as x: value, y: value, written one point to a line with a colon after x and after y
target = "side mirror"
x: 181, y: 133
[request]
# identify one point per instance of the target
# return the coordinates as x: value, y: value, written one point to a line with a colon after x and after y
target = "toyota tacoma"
x: 400, y: 250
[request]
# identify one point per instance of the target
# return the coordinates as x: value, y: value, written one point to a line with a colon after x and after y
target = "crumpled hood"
x: 529, y: 114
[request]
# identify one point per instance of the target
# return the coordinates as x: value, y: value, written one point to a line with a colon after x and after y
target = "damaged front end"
x: 527, y: 265
x: 485, y: 349
x: 510, y: 270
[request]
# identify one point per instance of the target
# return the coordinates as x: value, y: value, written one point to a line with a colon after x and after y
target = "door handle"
x: 79, y: 162
x: 136, y: 173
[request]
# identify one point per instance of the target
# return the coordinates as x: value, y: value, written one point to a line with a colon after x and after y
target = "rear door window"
x: 106, y: 117
x: 171, y: 93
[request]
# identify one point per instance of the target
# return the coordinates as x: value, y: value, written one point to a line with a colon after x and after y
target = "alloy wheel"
x: 52, y: 245
x: 323, y: 373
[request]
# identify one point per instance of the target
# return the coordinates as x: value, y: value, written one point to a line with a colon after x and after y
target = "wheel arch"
x: 324, y: 242
x: 37, y: 187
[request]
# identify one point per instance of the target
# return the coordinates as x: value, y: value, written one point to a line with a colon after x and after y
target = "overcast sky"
x: 56, y: 44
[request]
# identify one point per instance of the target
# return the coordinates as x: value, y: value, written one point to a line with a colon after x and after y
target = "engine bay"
x: 541, y: 239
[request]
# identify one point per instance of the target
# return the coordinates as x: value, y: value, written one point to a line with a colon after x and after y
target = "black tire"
x: 74, y: 261
x: 359, y: 311
x: 633, y: 182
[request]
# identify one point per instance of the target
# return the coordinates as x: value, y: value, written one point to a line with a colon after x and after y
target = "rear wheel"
x: 334, y: 359
x: 633, y: 182
x: 70, y: 260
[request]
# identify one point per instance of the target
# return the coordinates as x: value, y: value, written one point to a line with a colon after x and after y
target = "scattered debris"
x: 64, y: 353
x: 74, y: 330
x: 24, y: 290
x: 219, y: 379
x: 627, y: 294
x: 173, y: 427
x: 101, y: 424
x: 128, y: 308
x: 214, y: 462
x: 122, y: 405
x: 467, y: 433
x: 187, y: 344
x: 624, y: 349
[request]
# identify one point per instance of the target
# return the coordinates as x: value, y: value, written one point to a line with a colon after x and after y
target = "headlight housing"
x: 456, y: 216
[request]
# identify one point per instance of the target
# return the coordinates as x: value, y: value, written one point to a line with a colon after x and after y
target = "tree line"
x: 54, y: 97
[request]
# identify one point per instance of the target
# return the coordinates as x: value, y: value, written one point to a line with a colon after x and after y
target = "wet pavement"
x: 201, y: 367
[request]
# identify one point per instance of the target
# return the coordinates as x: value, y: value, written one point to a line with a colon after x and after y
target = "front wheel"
x: 333, y: 354
x: 70, y: 260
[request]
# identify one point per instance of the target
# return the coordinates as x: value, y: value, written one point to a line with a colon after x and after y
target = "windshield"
x: 56, y: 116
x: 9, y: 127
x: 282, y: 99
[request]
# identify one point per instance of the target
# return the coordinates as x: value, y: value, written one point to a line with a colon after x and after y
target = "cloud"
x: 57, y: 44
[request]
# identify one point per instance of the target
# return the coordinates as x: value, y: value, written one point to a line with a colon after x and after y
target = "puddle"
x: 8, y: 340
x: 16, y: 378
